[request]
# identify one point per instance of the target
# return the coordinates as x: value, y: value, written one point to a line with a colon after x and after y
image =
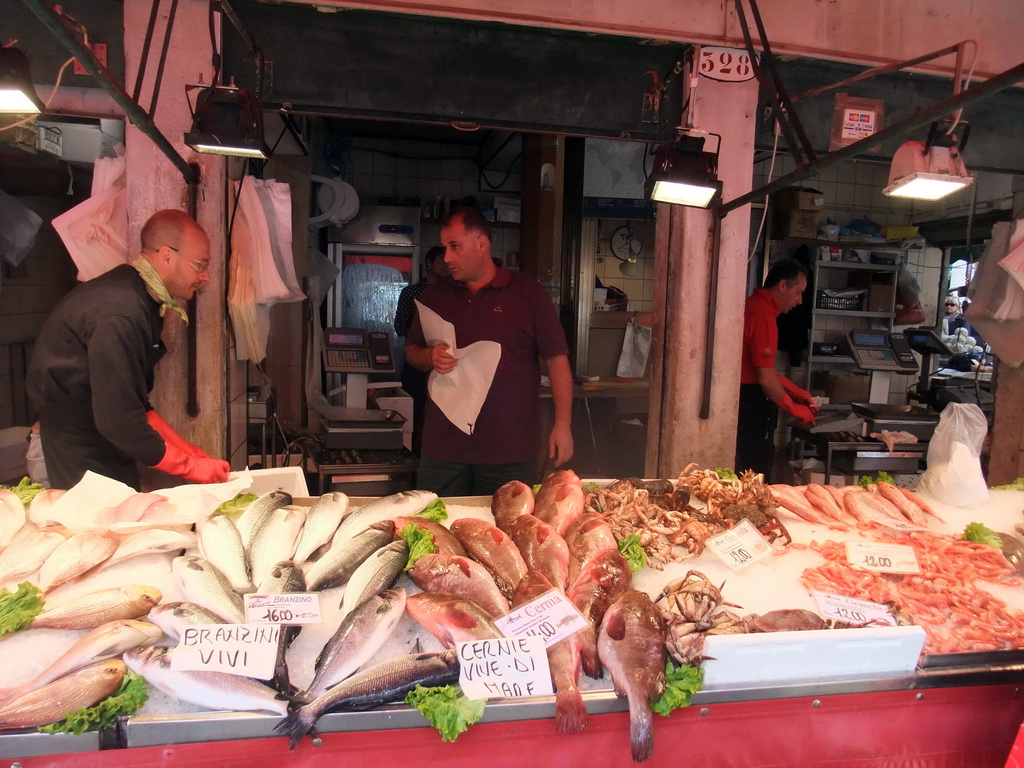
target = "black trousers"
x: 755, y: 432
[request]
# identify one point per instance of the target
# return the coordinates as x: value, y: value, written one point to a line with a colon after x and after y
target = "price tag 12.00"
x: 852, y: 611
x: 885, y: 558
x: 740, y: 546
x: 288, y: 608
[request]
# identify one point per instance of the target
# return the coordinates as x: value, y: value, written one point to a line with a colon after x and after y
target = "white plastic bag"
x: 635, y: 347
x: 954, y: 457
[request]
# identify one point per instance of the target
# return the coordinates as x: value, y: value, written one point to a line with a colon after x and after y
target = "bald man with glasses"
x: 94, y: 361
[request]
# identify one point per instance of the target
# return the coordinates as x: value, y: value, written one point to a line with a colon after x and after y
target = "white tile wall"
x: 639, y: 289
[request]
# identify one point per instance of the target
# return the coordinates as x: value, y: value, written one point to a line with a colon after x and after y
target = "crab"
x: 685, y: 640
x: 785, y: 620
x: 690, y: 599
x: 767, y: 523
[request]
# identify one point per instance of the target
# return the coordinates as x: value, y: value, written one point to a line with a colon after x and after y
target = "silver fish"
x: 29, y: 549
x: 213, y: 690
x: 201, y: 583
x: 378, y: 572
x: 384, y: 508
x: 39, y: 509
x: 75, y: 556
x: 173, y: 618
x: 95, y: 608
x: 152, y: 541
x: 362, y: 633
x: 380, y: 684
x: 322, y: 521
x: 105, y: 642
x: 335, y: 566
x: 285, y: 577
x: 53, y: 701
x: 12, y: 515
x: 252, y: 518
x: 221, y: 544
x: 275, y: 541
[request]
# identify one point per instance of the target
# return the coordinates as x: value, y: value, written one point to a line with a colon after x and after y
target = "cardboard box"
x: 881, y: 290
x: 844, y: 386
x: 398, y: 400
x: 796, y: 213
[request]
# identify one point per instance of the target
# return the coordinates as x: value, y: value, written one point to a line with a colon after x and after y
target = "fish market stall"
x: 843, y: 701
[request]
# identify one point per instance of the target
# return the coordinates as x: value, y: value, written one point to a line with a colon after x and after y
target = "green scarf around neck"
x: 158, y: 289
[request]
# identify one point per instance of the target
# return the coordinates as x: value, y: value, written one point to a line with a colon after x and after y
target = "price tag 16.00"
x: 852, y: 611
x: 885, y: 558
x: 288, y: 608
x: 740, y: 546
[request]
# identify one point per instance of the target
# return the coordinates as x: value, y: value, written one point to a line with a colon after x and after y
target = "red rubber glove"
x: 801, y: 396
x: 184, y: 459
x: 803, y: 414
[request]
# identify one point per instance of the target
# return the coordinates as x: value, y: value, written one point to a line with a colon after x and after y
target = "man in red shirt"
x: 486, y: 301
x: 763, y: 390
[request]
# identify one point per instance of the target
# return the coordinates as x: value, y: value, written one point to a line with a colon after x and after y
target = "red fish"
x: 459, y: 576
x: 513, y: 500
x: 446, y: 542
x: 450, y: 618
x: 494, y: 550
x: 632, y: 647
x: 563, y: 660
x: 588, y: 536
x: 907, y: 508
x: 561, y: 507
x: 603, y: 581
x: 542, y: 549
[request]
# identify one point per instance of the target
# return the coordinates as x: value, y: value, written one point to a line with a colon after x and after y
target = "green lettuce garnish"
x: 882, y: 477
x: 1016, y: 485
x: 726, y: 473
x: 633, y: 551
x: 591, y: 487
x: 446, y: 709
x: 982, y: 534
x: 17, y: 609
x: 536, y: 488
x: 420, y: 543
x: 25, y: 490
x: 682, y: 683
x: 236, y: 505
x: 126, y: 700
x: 435, y: 510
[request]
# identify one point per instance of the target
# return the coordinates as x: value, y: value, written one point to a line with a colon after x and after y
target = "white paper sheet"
x: 460, y: 394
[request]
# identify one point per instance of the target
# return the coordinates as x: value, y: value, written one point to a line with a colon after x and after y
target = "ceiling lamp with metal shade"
x: 684, y: 174
x: 17, y: 93
x: 932, y: 170
x: 227, y: 121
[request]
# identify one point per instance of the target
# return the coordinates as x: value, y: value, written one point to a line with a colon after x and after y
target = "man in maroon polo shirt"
x: 763, y: 390
x: 486, y: 301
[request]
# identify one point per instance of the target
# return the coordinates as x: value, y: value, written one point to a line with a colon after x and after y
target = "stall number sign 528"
x: 730, y: 65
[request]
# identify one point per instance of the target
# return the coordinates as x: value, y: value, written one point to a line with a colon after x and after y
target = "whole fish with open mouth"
x: 632, y: 647
x: 174, y: 618
x: 130, y: 601
x: 494, y: 550
x: 378, y: 572
x: 361, y: 634
x: 285, y: 578
x: 150, y: 542
x: 201, y: 583
x: 337, y: 564
x: 212, y: 690
x: 588, y: 536
x: 12, y: 515
x: 445, y: 540
x: 380, y: 684
x: 385, y: 508
x: 105, y: 642
x: 221, y: 544
x: 543, y: 548
x: 560, y: 507
x: 251, y: 519
x: 75, y: 556
x: 450, y: 618
x: 54, y: 701
x: 510, y: 502
x: 563, y: 662
x: 29, y: 549
x: 275, y: 541
x: 601, y: 582
x: 322, y: 520
x: 459, y: 576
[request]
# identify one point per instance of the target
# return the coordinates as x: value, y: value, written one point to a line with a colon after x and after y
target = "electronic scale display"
x: 353, y: 350
x: 881, y: 351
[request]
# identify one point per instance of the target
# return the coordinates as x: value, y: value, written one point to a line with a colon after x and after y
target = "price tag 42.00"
x: 885, y: 558
x: 740, y: 546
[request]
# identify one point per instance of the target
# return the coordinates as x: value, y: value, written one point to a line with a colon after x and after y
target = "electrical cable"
x: 764, y: 210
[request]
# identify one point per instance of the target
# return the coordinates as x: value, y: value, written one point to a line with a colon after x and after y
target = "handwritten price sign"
x: 885, y: 558
x: 287, y: 609
x: 740, y: 546
x: 853, y: 611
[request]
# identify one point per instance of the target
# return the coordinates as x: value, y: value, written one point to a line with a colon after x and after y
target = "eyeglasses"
x: 201, y: 267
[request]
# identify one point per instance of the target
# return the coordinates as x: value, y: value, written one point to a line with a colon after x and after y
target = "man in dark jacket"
x: 93, y: 364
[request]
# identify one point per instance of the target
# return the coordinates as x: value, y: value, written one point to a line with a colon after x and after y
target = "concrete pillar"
x: 676, y: 433
x: 154, y: 183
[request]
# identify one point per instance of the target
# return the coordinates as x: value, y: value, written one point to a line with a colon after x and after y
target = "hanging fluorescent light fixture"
x: 17, y: 93
x: 929, y: 171
x: 228, y: 121
x: 684, y: 174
